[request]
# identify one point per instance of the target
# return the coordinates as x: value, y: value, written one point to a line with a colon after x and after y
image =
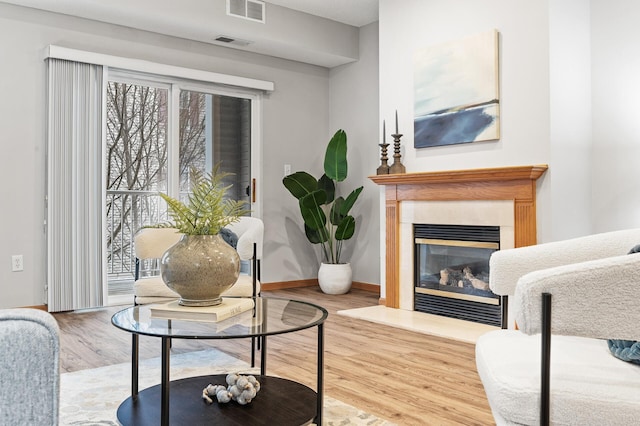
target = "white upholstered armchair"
x: 568, y: 298
x: 250, y: 232
x: 149, y: 245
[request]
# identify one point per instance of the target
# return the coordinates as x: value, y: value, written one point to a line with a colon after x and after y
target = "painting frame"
x: 456, y: 92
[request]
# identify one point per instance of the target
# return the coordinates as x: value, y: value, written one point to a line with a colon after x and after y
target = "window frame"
x: 174, y: 86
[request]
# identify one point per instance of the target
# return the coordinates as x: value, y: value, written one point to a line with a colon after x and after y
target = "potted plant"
x: 201, y: 266
x: 326, y: 217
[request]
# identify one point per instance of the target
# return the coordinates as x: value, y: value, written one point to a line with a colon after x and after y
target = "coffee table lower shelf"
x: 279, y: 402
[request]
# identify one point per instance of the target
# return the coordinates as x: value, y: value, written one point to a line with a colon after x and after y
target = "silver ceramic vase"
x: 200, y: 268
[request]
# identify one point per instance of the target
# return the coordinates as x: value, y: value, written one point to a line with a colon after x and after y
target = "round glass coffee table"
x: 280, y: 401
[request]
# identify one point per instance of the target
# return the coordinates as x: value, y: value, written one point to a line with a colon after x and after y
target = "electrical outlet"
x: 287, y: 169
x: 16, y: 263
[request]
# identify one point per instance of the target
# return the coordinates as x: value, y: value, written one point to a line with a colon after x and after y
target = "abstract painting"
x: 457, y: 92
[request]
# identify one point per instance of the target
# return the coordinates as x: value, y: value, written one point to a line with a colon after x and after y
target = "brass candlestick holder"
x: 397, y: 166
x: 384, y: 167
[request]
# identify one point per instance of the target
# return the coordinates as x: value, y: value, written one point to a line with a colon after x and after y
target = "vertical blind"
x: 75, y: 261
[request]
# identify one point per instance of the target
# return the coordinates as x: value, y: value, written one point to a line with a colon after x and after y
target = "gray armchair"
x: 29, y: 367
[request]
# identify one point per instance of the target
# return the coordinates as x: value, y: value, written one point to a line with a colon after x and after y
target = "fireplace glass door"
x: 460, y: 267
x: 452, y: 271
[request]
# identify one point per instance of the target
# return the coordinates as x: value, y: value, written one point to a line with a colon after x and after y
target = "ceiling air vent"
x: 253, y: 10
x: 232, y: 40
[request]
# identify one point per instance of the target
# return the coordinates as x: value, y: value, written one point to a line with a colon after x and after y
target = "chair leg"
x: 504, y: 300
x: 253, y: 352
x: 254, y: 278
x: 254, y: 266
x: 136, y: 272
x: 545, y: 368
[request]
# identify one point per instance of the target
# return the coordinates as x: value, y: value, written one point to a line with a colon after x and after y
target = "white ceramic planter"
x: 335, y: 278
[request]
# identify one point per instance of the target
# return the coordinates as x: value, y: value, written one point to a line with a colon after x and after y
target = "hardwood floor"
x: 402, y: 376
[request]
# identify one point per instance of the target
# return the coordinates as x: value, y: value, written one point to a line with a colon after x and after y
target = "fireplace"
x: 503, y: 196
x: 451, y: 271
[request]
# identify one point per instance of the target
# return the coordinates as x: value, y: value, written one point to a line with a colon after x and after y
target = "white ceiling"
x: 352, y: 12
x: 202, y: 20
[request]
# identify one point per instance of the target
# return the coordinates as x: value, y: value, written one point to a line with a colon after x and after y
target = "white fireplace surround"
x: 463, y: 212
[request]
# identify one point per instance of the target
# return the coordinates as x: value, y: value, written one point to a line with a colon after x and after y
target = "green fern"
x: 207, y: 210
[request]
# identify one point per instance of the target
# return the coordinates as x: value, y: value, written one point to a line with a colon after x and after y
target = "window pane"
x: 136, y: 166
x: 136, y: 137
x: 216, y: 129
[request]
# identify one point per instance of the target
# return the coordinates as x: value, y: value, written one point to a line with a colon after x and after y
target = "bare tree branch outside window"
x: 137, y: 160
x: 137, y: 145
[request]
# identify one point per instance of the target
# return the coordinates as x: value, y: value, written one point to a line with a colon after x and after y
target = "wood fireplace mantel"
x: 504, y: 183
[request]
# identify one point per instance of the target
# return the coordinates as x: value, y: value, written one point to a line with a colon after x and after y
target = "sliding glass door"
x: 215, y: 129
x: 156, y: 133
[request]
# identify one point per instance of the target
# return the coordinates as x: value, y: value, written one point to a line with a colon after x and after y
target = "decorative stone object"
x: 241, y: 389
x: 200, y: 268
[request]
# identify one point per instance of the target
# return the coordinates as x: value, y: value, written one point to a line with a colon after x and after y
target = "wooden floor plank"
x: 402, y: 376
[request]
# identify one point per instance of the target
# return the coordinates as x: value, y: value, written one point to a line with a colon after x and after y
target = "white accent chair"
x: 250, y: 232
x: 29, y: 367
x: 151, y: 243
x: 568, y: 298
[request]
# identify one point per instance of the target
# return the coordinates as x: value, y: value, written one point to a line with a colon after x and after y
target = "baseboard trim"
x: 279, y: 285
x: 40, y: 307
x: 374, y: 288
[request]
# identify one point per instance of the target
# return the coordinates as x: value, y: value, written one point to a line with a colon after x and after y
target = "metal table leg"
x: 320, y: 366
x: 135, y: 350
x: 253, y: 352
x: 164, y: 410
x: 263, y: 356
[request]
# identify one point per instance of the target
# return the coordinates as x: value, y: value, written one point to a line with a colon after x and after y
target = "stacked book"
x: 230, y: 306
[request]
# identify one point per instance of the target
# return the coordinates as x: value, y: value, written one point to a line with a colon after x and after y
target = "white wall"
x: 353, y: 106
x: 545, y: 96
x: 524, y: 76
x: 524, y: 82
x: 296, y: 125
x: 569, y: 87
x: 616, y: 117
x: 569, y: 174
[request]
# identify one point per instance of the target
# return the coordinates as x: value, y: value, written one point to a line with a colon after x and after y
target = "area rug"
x: 435, y: 325
x: 91, y: 397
